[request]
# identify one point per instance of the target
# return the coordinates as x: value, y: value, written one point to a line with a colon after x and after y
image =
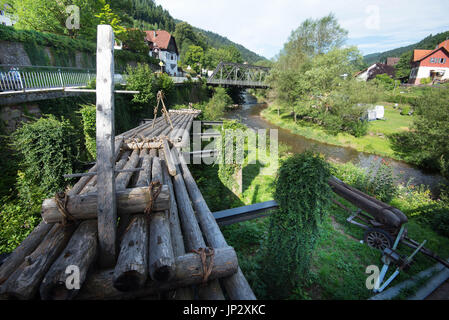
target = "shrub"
x: 216, y: 106
x: 377, y: 180
x: 405, y: 110
x: 358, y: 128
x: 88, y: 113
x: 228, y: 165
x: 425, y: 80
x: 303, y: 195
x: 48, y: 149
x: 385, y: 81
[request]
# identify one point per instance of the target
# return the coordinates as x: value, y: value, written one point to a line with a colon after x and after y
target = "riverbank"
x: 375, y: 142
x: 339, y: 261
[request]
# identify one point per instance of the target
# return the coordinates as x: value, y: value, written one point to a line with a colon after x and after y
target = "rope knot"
x: 154, y: 188
x: 206, y: 267
x: 61, y: 199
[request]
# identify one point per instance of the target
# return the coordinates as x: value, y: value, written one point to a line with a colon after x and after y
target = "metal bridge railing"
x: 23, y: 78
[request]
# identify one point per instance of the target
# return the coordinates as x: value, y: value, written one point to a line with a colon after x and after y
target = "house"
x: 433, y: 64
x: 163, y: 47
x: 372, y: 71
x: 5, y: 19
x: 392, y: 61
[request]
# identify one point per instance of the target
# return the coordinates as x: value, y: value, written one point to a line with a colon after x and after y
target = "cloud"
x: 264, y: 26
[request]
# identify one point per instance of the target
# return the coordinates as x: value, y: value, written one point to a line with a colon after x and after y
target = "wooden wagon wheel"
x: 378, y: 238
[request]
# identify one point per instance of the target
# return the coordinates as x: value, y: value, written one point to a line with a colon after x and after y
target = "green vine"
x: 303, y: 196
x: 88, y: 113
x: 228, y: 167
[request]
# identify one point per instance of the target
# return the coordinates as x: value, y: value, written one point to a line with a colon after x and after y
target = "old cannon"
x: 384, y: 228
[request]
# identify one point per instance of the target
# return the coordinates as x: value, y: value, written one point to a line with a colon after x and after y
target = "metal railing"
x: 14, y: 78
x: 23, y: 78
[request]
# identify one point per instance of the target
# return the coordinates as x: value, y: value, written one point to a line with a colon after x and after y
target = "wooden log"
x: 175, y: 225
x: 177, y: 240
x: 81, y: 252
x: 25, y: 281
x: 145, y: 175
x: 158, y: 128
x: 168, y: 129
x: 99, y: 285
x: 156, y: 170
x: 185, y: 136
x: 84, y: 206
x: 168, y: 158
x: 161, y: 258
x: 192, y: 233
x: 121, y: 182
x: 24, y: 249
x: 123, y: 178
x: 362, y: 201
x: 177, y: 131
x: 106, y: 200
x: 131, y: 270
x: 236, y: 285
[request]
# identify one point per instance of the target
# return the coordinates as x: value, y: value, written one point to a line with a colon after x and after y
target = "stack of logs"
x: 151, y: 134
x: 164, y: 251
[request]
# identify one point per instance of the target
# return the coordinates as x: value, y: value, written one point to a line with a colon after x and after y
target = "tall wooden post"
x: 106, y: 197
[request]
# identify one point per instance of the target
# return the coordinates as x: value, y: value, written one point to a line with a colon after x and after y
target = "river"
x: 249, y: 114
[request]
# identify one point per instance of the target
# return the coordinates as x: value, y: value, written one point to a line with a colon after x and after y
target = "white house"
x: 163, y: 46
x: 5, y: 19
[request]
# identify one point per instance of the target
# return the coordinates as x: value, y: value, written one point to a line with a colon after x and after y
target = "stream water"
x: 249, y: 114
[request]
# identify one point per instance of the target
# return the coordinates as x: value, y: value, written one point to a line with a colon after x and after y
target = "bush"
x: 216, y: 106
x: 304, y: 196
x: 405, y: 110
x: 48, y: 150
x: 425, y: 80
x: 228, y: 165
x: 377, y: 180
x: 384, y: 81
x: 88, y: 113
x: 358, y: 128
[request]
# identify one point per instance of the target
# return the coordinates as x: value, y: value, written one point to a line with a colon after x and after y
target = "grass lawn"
x: 375, y: 142
x: 339, y: 261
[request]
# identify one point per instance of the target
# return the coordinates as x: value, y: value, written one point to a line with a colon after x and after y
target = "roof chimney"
x: 154, y: 33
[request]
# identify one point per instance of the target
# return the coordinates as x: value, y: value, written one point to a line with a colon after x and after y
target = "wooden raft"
x: 175, y: 250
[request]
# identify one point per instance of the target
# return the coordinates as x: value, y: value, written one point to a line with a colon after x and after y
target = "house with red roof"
x: 433, y: 64
x: 163, y: 47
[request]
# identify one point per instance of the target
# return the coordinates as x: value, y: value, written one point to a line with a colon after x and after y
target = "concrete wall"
x: 12, y: 116
x: 14, y: 53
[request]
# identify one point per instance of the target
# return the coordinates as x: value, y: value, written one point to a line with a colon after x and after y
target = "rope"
x: 155, y: 188
x: 61, y: 199
x: 207, y: 268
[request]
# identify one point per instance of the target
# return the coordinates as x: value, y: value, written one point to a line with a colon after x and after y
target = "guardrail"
x: 16, y: 79
x: 31, y: 78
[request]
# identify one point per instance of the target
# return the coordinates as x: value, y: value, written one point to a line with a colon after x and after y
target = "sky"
x: 263, y: 26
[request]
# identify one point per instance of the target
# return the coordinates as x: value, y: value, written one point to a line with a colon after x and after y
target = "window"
x: 432, y: 60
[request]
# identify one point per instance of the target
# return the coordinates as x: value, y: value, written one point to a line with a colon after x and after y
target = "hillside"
x: 146, y: 14
x: 429, y: 42
x: 215, y: 40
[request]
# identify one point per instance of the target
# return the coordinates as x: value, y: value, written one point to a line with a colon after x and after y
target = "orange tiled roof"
x: 419, y: 54
x: 444, y: 44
